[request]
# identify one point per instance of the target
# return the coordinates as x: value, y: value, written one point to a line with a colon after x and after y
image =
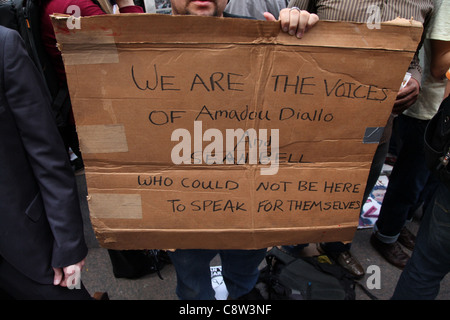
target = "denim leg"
x: 406, y: 181
x: 430, y: 260
x: 240, y: 270
x: 193, y: 273
x: 428, y: 191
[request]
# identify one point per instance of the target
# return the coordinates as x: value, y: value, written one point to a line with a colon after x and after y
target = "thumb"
x: 58, y: 276
x: 269, y: 16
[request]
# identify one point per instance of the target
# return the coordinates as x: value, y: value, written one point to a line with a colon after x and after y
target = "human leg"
x: 240, y: 270
x: 430, y: 260
x: 193, y: 273
x: 406, y: 181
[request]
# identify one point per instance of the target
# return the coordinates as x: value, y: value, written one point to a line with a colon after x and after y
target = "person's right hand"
x: 63, y: 274
x: 406, y: 96
x: 294, y: 21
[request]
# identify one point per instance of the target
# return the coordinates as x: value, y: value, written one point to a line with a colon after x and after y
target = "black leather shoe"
x: 346, y: 260
x: 407, y: 238
x: 392, y: 252
x: 351, y: 264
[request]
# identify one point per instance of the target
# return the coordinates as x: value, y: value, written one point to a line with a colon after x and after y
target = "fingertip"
x: 269, y: 16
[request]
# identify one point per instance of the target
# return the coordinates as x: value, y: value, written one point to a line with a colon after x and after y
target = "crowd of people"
x: 41, y: 231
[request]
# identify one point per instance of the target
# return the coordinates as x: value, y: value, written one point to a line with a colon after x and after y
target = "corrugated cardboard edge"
x: 125, y: 239
x: 124, y: 30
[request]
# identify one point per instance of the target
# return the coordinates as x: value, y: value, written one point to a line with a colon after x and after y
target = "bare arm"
x: 440, y: 58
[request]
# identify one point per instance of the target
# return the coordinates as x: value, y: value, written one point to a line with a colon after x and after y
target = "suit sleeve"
x: 29, y: 101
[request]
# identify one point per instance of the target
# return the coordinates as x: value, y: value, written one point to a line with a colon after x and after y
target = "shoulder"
x: 8, y: 38
x: 5, y: 33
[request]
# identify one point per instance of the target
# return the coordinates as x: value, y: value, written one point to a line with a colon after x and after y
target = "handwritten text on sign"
x: 176, y: 128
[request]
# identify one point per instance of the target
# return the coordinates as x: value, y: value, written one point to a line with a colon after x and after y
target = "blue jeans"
x: 430, y: 260
x: 406, y: 182
x: 239, y: 270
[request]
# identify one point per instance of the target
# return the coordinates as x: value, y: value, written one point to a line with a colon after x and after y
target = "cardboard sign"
x: 203, y: 132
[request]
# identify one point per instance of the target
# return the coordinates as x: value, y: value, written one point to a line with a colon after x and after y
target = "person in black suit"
x: 42, y: 246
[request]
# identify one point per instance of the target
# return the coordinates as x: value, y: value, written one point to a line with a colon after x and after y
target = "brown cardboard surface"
x: 135, y: 79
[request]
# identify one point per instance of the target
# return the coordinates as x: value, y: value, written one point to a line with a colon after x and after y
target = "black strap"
x: 60, y: 98
x: 366, y: 291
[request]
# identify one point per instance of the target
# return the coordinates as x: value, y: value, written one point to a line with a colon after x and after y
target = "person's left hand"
x: 294, y: 21
x: 406, y: 96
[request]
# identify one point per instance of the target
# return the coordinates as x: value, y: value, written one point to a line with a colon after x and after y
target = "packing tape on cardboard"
x: 115, y: 206
x: 89, y: 47
x: 373, y: 134
x: 102, y: 138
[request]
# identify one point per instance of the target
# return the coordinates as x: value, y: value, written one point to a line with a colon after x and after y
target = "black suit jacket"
x: 40, y: 218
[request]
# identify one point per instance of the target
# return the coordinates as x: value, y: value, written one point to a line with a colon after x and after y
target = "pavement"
x: 97, y: 274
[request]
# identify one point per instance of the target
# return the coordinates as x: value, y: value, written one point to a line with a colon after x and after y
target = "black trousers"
x: 16, y: 286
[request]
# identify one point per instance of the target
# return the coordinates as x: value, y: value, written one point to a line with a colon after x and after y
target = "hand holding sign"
x: 294, y: 21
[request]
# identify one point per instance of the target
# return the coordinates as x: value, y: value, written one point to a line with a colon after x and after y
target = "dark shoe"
x: 346, y: 260
x: 392, y: 252
x: 407, y: 238
x: 100, y: 296
x: 351, y: 264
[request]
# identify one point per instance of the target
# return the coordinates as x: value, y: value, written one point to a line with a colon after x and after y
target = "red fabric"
x: 87, y: 8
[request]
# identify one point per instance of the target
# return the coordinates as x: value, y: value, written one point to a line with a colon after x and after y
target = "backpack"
x: 306, y: 278
x: 24, y: 16
x: 133, y: 264
x: 437, y: 142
